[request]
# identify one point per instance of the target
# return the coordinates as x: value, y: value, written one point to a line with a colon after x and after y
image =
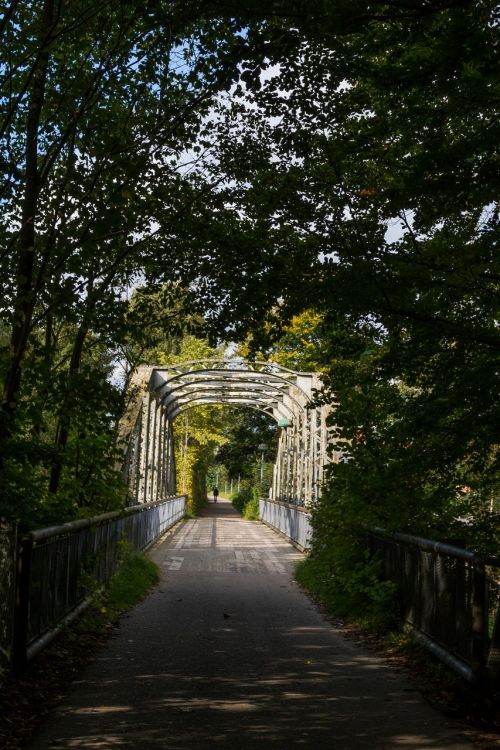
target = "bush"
x: 340, y: 570
x: 241, y: 498
x: 251, y: 511
x: 246, y: 502
x: 354, y: 591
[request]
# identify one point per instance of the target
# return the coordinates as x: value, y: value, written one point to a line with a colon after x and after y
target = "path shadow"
x: 220, y: 509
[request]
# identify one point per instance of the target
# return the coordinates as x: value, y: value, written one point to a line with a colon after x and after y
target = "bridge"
x: 462, y: 629
x: 228, y: 646
x: 159, y: 395
x: 228, y: 652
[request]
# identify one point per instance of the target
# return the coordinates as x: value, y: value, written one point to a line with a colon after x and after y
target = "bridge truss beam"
x: 160, y: 394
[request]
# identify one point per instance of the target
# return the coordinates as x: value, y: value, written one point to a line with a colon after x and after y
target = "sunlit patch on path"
x: 229, y: 545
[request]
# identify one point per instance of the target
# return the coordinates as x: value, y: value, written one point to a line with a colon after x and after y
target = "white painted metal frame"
x: 162, y: 393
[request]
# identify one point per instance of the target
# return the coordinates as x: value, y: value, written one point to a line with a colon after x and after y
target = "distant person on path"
x: 216, y: 493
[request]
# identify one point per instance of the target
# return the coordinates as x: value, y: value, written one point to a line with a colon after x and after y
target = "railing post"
x: 8, y: 575
x: 21, y: 614
x: 479, y: 628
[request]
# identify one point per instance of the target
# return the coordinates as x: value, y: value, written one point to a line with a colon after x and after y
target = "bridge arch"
x: 160, y: 394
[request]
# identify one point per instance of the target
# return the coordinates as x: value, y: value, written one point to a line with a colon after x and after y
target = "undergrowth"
x: 355, y: 592
x: 134, y: 576
x: 368, y: 617
x: 246, y: 502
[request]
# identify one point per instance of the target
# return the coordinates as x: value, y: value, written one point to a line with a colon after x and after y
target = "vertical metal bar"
x: 172, y: 478
x: 290, y: 464
x: 309, y: 457
x: 493, y: 663
x: 154, y: 450
x: 21, y: 615
x: 279, y: 468
x: 168, y: 449
x: 146, y: 425
x: 301, y: 460
x: 136, y: 467
x: 479, y: 620
x: 137, y: 458
x: 185, y: 453
x: 150, y: 451
x: 154, y: 447
x: 161, y: 445
x: 297, y: 462
x: 160, y: 493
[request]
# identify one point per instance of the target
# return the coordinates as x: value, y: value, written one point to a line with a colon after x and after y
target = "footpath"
x: 227, y: 652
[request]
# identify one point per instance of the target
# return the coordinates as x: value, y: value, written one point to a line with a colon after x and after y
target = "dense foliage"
x: 339, y: 158
x: 245, y: 432
x: 98, y: 104
x: 361, y: 149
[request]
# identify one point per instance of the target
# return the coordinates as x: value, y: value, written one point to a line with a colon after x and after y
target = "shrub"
x: 246, y: 501
x: 251, y: 510
x: 340, y: 570
x: 135, y: 575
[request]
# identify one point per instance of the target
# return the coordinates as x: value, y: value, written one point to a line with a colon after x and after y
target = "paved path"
x: 228, y: 653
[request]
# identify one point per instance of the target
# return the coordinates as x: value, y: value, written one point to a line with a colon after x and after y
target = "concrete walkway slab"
x: 227, y: 652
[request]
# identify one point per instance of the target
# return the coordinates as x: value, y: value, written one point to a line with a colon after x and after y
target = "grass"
x: 134, y: 577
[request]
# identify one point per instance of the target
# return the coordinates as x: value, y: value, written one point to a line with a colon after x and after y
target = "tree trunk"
x: 65, y: 423
x: 25, y: 298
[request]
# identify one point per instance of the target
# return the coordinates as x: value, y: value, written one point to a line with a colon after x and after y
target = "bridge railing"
x: 290, y: 520
x: 59, y: 566
x: 447, y: 597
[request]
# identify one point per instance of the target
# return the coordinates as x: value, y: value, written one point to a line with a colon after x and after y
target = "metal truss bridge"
x: 158, y: 395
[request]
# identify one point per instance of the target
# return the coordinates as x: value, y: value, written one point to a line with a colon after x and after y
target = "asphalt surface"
x: 227, y: 652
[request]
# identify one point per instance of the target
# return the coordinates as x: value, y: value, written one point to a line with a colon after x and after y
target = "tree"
x: 359, y: 168
x: 244, y: 431
x: 97, y: 104
x: 350, y: 171
x: 298, y: 345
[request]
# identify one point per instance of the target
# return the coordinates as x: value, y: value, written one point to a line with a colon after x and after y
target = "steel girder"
x: 160, y: 394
